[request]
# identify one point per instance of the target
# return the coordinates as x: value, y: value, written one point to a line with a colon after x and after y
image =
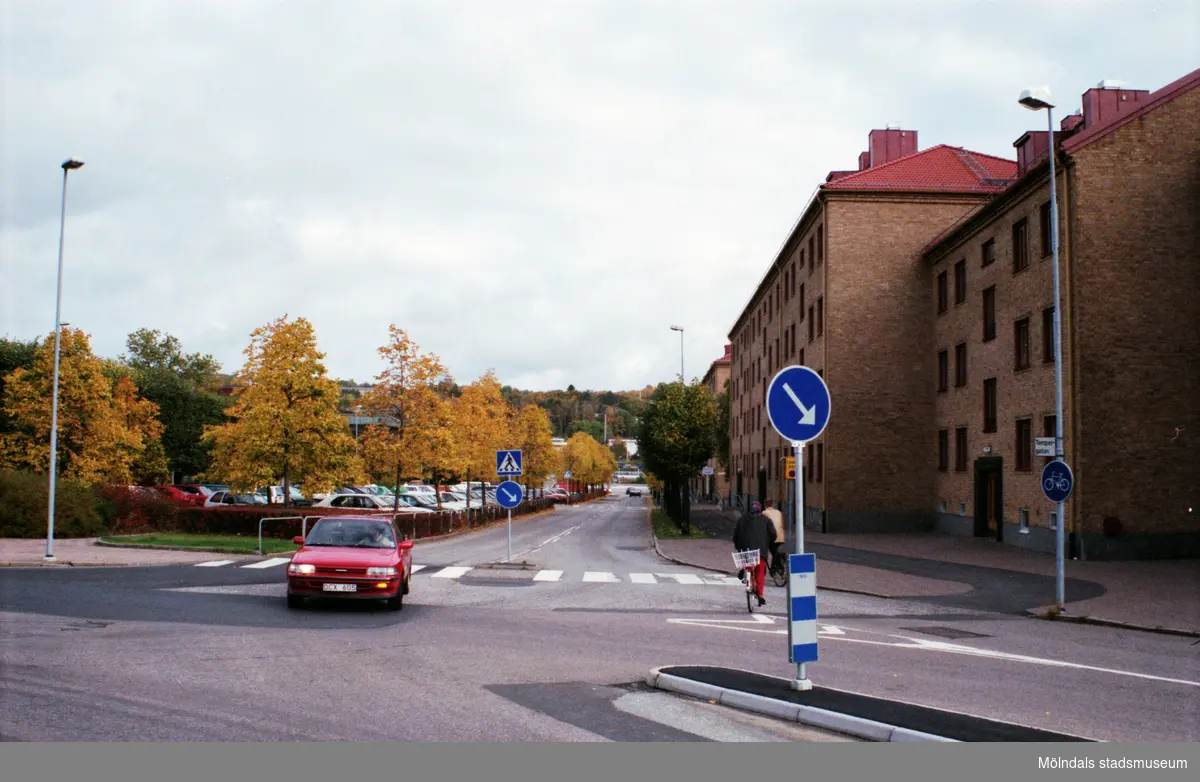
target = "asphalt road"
x: 489, y: 654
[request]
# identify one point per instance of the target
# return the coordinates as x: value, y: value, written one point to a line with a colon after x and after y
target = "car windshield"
x: 352, y: 533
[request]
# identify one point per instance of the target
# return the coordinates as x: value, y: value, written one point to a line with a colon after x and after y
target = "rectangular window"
x: 960, y: 449
x: 820, y: 462
x: 1048, y: 335
x: 820, y: 315
x: 1023, y: 519
x: 786, y: 284
x: 793, y: 350
x: 811, y: 324
x: 820, y: 244
x: 801, y: 356
x: 960, y: 281
x: 989, y: 405
x: 801, y: 301
x: 1049, y: 429
x: 812, y: 256
x: 943, y: 293
x: 801, y: 258
x: 808, y: 469
x: 989, y: 314
x: 989, y: 252
x: 1024, y: 445
x: 1021, y: 344
x: 786, y: 350
x: 1020, y: 242
x: 943, y: 371
x: 1053, y: 519
x: 794, y: 278
x: 943, y: 450
x: 960, y: 365
x: 1045, y: 229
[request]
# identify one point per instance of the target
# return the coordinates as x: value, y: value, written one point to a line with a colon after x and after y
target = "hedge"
x: 24, y: 507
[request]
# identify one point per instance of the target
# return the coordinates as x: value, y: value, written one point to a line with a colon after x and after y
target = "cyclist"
x: 776, y: 517
x: 754, y: 531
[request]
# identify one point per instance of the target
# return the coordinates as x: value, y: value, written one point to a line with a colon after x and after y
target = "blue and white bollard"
x: 802, y: 615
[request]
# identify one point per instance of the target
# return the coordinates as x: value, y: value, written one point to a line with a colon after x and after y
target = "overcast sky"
x: 538, y: 188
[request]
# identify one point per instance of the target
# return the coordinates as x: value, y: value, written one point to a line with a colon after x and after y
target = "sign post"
x: 509, y: 463
x: 798, y: 406
x: 1057, y: 483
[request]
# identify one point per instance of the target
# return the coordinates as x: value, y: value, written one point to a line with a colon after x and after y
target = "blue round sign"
x: 1057, y: 481
x: 798, y: 404
x: 509, y: 494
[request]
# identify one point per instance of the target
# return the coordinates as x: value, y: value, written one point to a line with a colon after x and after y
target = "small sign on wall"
x: 1043, y: 446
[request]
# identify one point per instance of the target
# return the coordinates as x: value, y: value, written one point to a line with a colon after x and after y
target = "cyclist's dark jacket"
x: 754, y: 532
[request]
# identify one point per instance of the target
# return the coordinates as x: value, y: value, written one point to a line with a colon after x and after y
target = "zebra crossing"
x: 458, y: 572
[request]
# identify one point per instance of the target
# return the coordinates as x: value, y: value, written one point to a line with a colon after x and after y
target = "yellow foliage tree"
x: 481, y: 427
x: 414, y: 438
x: 589, y: 462
x: 106, y: 433
x: 284, y: 422
x: 532, y: 433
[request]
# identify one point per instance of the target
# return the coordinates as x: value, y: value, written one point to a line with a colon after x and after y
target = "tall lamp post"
x: 1036, y: 100
x: 68, y: 165
x: 681, y: 375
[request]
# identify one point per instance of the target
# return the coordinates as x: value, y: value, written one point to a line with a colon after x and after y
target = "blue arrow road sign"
x: 509, y: 494
x: 1057, y: 481
x: 508, y: 463
x: 798, y: 404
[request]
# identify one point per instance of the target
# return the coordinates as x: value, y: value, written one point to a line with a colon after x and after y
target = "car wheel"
x: 404, y: 587
x: 397, y: 602
x: 295, y: 601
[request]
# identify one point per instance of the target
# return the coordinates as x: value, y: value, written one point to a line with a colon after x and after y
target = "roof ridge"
x: 882, y: 166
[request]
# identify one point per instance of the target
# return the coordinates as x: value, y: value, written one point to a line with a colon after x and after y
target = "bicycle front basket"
x: 745, y: 559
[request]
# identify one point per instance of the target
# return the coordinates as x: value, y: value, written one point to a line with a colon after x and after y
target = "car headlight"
x: 381, y: 571
x: 304, y: 570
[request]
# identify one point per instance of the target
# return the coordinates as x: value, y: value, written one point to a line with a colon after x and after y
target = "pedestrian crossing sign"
x: 790, y: 464
x: 508, y: 463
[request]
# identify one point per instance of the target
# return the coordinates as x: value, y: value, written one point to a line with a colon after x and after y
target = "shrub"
x: 24, y: 507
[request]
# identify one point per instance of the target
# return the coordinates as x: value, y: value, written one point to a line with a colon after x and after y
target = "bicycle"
x: 1056, y: 482
x: 746, y: 561
x: 779, y: 569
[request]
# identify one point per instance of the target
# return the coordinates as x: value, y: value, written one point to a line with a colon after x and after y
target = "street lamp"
x: 68, y: 165
x: 681, y: 376
x: 1036, y: 100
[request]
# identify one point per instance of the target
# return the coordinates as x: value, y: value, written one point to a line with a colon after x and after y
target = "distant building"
x: 717, y: 483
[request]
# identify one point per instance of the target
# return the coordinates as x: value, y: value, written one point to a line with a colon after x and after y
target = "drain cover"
x: 945, y: 632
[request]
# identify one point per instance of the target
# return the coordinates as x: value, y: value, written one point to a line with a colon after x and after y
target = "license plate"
x: 340, y: 587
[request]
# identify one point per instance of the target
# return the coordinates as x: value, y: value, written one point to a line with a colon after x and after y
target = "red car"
x: 189, y: 494
x: 353, y: 557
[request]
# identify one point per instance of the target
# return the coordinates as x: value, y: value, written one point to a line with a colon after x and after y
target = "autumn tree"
x: 413, y: 438
x: 284, y: 421
x: 532, y: 434
x: 589, y: 462
x: 482, y: 427
x: 107, y: 434
x: 676, y: 439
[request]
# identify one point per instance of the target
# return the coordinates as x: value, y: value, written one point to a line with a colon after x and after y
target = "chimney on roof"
x: 891, y: 143
x: 1107, y: 101
x: 1071, y: 121
x: 1031, y: 149
x: 864, y: 161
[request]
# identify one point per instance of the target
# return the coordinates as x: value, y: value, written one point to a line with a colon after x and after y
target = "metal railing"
x: 303, y: 526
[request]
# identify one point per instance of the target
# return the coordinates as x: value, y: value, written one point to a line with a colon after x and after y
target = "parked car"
x: 298, y: 498
x: 353, y: 500
x: 453, y: 501
x: 226, y: 498
x: 190, y: 495
x: 351, y: 557
x: 634, y: 491
x: 209, y: 489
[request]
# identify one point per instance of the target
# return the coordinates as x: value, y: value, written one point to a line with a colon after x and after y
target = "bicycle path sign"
x: 1057, y: 481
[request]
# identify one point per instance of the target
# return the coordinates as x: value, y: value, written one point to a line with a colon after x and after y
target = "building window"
x: 960, y: 281
x: 942, y: 507
x: 1049, y: 429
x: 808, y: 470
x: 960, y: 365
x: 1020, y: 240
x: 812, y: 256
x: 1024, y: 445
x: 802, y: 258
x: 801, y: 302
x: 787, y: 277
x: 793, y: 350
x: 1048, y: 335
x: 962, y: 509
x: 989, y: 252
x: 1023, y: 516
x: 1053, y: 519
x: 943, y: 370
x: 820, y: 244
x: 943, y: 294
x: 811, y: 319
x: 943, y: 450
x: 1021, y: 344
x: 960, y: 449
x: 820, y: 315
x: 801, y: 356
x: 820, y: 462
x: 1045, y: 229
x: 989, y: 314
x: 989, y: 405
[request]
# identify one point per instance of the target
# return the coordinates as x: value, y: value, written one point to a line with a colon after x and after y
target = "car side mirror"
x: 406, y: 545
x: 298, y: 540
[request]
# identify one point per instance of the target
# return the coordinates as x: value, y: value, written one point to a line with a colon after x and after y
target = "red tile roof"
x: 940, y: 169
x: 728, y: 357
x: 1156, y: 99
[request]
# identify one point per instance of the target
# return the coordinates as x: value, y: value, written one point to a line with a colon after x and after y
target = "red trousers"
x: 760, y: 576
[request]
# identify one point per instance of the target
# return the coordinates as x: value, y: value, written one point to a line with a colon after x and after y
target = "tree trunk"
x: 685, y: 517
x: 396, y: 497
x: 287, y: 491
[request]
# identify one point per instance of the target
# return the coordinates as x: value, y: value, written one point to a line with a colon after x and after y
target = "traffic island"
x: 862, y: 716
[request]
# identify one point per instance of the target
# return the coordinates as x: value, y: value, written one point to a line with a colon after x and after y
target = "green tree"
x: 676, y: 439
x: 153, y: 350
x: 539, y: 457
x: 724, y: 417
x: 590, y: 427
x: 14, y: 354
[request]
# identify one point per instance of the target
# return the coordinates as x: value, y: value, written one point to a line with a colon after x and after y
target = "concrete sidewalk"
x: 1160, y: 595
x: 84, y: 552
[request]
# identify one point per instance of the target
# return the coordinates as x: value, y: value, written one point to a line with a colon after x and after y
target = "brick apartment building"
x: 716, y: 379
x: 919, y: 286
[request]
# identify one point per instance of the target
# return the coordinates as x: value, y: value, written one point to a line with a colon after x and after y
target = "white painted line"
x: 452, y: 572
x: 642, y: 578
x: 215, y: 563
x: 548, y: 575
x: 603, y: 578
x: 684, y: 578
x: 415, y: 568
x: 273, y: 562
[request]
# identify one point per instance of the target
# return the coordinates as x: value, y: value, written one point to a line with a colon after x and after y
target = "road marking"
x: 548, y: 575
x: 642, y: 578
x: 683, y: 578
x: 451, y: 572
x: 548, y: 541
x: 604, y: 578
x: 415, y: 568
x: 273, y: 562
x: 215, y: 563
x: 722, y: 580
